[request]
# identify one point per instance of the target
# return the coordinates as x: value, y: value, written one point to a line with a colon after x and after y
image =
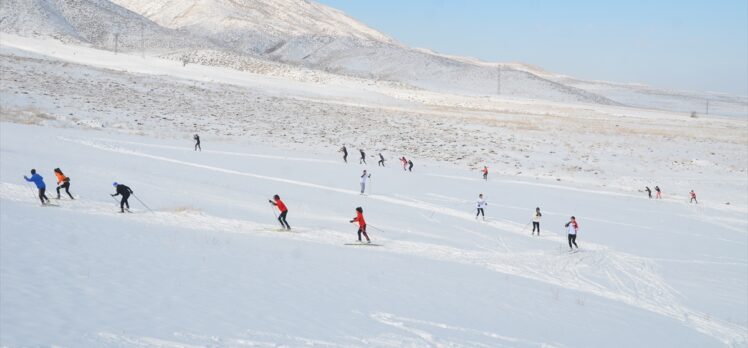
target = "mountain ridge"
x: 262, y: 36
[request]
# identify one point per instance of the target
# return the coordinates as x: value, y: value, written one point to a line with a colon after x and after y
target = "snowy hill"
x: 316, y: 36
x: 204, y: 263
x: 291, y: 38
x: 94, y: 23
x: 236, y: 21
x: 207, y: 266
x: 300, y: 33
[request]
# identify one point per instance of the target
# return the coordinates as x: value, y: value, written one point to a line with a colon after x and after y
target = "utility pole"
x: 116, y: 42
x: 498, y: 79
x: 142, y: 45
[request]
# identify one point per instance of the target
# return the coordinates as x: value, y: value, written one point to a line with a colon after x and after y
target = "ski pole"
x: 273, y: 209
x: 31, y: 187
x: 116, y: 202
x: 141, y: 202
x: 375, y: 228
x: 524, y: 228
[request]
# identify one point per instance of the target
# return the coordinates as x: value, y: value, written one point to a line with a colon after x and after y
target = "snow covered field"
x: 208, y: 268
x: 46, y: 82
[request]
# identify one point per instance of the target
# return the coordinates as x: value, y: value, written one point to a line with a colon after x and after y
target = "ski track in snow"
x: 409, y: 325
x: 415, y: 333
x: 634, y: 282
x: 232, y: 153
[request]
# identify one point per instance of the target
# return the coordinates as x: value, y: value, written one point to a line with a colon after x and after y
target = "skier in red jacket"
x: 361, y: 224
x: 282, y: 207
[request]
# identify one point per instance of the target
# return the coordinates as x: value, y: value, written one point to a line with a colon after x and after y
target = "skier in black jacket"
x: 125, y: 192
x: 345, y: 153
x: 197, y: 143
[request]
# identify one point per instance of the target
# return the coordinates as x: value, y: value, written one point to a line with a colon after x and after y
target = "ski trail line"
x: 219, y: 152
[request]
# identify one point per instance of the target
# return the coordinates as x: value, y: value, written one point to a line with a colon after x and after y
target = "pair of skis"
x: 363, y: 244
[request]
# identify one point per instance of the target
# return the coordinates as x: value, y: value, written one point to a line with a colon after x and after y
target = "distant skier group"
x: 407, y: 164
x: 572, y: 226
x: 658, y: 192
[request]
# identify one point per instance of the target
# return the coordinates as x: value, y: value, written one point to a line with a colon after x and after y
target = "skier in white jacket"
x: 536, y: 221
x: 572, y: 227
x: 480, y: 204
x: 364, y: 176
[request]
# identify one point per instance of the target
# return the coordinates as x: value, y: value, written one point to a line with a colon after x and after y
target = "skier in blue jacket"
x: 39, y: 181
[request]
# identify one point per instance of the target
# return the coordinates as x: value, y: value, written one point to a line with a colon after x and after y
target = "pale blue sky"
x: 686, y: 45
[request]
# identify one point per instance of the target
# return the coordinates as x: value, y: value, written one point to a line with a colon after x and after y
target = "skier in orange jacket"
x: 361, y: 224
x: 62, y: 182
x: 283, y: 211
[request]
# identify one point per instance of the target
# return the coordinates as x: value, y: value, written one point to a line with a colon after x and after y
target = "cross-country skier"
x: 693, y: 197
x: 361, y: 224
x: 536, y: 220
x: 480, y: 204
x: 125, y: 192
x: 345, y: 153
x: 363, y: 157
x: 571, y: 229
x: 649, y: 192
x: 381, y: 160
x: 283, y: 211
x: 62, y: 182
x: 197, y: 143
x: 658, y: 192
x: 39, y: 182
x: 410, y: 165
x: 364, y: 176
x: 405, y: 163
x: 485, y: 173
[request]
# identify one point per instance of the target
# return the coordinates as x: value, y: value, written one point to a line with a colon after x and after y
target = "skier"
x: 363, y: 157
x: 405, y: 163
x: 283, y: 211
x: 364, y: 176
x: 345, y: 153
x: 485, y: 173
x: 381, y: 160
x: 197, y: 143
x: 693, y: 197
x: 536, y: 221
x: 39, y: 181
x: 62, y: 182
x: 410, y: 165
x: 361, y: 224
x: 480, y: 204
x: 125, y: 192
x: 658, y: 192
x: 649, y: 192
x: 571, y: 229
